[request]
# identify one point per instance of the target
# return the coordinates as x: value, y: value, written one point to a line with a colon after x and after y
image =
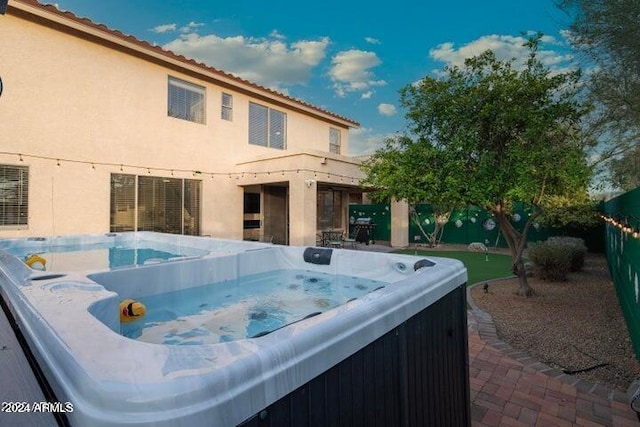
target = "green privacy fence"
x: 470, y: 224
x: 622, y: 216
x: 380, y: 214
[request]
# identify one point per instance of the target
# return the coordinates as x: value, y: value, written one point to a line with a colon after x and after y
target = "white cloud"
x: 387, y: 109
x: 191, y: 27
x: 350, y: 71
x: 267, y: 61
x: 371, y: 40
x: 505, y: 47
x: 165, y: 28
x: 276, y: 35
x: 367, y: 95
x: 364, y: 141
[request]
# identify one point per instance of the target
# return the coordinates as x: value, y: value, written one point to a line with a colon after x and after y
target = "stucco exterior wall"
x: 76, y: 108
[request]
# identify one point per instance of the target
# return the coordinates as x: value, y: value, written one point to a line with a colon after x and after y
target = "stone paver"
x: 509, y: 388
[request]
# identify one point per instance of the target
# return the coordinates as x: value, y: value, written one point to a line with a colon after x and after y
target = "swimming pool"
x: 115, y: 250
x: 355, y: 310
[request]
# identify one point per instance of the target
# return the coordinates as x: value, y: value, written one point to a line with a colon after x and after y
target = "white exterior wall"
x: 399, y: 224
x: 95, y: 108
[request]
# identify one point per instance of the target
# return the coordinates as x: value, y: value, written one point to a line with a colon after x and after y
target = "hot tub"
x: 380, y: 341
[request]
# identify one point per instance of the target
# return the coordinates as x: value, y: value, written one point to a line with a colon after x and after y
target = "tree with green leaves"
x: 415, y: 173
x: 489, y: 133
x: 441, y: 216
x: 625, y: 170
x: 607, y: 33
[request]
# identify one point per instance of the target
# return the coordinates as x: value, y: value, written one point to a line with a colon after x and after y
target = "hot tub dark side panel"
x: 415, y: 375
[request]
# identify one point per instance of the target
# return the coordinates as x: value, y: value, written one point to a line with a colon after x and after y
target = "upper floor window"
x: 267, y: 127
x: 227, y: 107
x: 334, y: 140
x: 14, y: 195
x: 186, y: 100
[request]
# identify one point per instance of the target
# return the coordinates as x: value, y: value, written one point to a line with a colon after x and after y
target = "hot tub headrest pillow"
x: 318, y: 255
x: 423, y: 263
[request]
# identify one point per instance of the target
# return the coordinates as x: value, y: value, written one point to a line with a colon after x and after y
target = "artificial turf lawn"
x: 478, y: 268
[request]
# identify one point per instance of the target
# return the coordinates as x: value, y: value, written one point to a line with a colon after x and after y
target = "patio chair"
x: 333, y: 239
x: 350, y: 241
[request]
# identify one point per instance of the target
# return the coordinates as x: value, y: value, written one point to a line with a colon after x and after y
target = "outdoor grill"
x: 363, y: 229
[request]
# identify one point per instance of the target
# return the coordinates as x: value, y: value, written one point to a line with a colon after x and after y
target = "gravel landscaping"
x: 575, y: 325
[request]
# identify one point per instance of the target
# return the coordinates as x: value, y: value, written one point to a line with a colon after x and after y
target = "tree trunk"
x: 524, y: 289
x: 516, y: 243
x: 440, y: 221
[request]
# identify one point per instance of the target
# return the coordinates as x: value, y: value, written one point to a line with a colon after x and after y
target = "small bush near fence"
x: 555, y: 257
x: 578, y: 247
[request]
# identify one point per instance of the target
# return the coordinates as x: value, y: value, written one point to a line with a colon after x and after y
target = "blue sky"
x: 348, y: 57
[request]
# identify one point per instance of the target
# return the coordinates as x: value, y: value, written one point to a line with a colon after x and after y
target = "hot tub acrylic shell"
x: 71, y: 323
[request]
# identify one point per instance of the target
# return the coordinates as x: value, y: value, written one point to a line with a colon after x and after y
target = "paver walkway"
x: 508, y: 388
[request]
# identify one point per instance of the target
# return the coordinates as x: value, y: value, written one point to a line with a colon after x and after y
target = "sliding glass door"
x: 149, y: 203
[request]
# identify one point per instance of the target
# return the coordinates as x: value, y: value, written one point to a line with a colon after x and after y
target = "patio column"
x: 302, y: 211
x: 399, y: 224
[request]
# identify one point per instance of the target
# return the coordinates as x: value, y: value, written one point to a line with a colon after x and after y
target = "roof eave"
x: 143, y: 49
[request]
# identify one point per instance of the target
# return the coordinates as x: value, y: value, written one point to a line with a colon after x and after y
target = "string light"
x: 173, y: 171
x: 624, y: 225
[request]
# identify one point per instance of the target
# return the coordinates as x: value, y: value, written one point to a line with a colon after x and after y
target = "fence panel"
x: 380, y: 215
x: 623, y: 256
x: 470, y: 224
x: 473, y: 224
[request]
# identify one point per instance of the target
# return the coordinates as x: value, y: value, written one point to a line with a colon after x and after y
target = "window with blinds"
x: 123, y: 202
x: 277, y: 130
x: 226, y: 112
x: 186, y: 101
x: 329, y: 210
x: 148, y: 203
x: 14, y: 195
x: 267, y: 127
x: 334, y: 140
x: 191, y: 207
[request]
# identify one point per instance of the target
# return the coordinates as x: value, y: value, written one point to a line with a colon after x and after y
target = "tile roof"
x: 186, y: 62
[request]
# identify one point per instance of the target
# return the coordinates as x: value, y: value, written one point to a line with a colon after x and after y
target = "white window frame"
x: 335, y: 140
x: 14, y: 196
x: 226, y: 106
x: 186, y: 101
x: 267, y: 126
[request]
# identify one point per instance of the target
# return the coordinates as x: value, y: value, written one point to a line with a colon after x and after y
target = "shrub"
x: 578, y: 250
x: 551, y: 260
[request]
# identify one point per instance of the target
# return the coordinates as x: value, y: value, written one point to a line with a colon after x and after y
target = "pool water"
x: 250, y: 307
x: 101, y: 256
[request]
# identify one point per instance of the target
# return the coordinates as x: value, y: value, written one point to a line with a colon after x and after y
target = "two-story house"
x: 100, y: 132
